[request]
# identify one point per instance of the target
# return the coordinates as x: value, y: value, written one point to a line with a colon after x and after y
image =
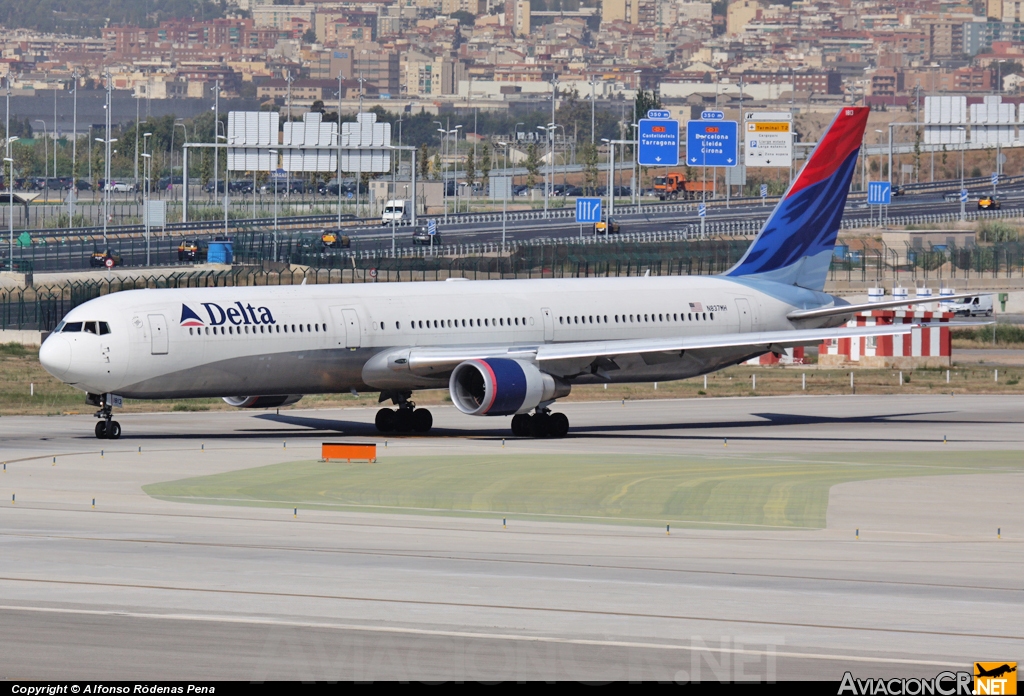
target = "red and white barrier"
x: 922, y: 347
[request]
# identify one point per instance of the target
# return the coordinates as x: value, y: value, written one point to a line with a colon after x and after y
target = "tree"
x: 470, y: 169
x: 466, y: 19
x: 318, y: 106
x: 436, y: 166
x: 309, y: 36
x: 485, y: 167
x: 532, y: 165
x: 588, y: 156
x: 644, y: 102
x: 423, y: 161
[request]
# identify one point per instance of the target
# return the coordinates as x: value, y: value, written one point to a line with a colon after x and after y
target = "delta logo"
x: 216, y: 315
x: 995, y: 678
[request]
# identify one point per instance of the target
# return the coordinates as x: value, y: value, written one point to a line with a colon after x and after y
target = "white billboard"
x: 251, y: 132
x: 769, y: 139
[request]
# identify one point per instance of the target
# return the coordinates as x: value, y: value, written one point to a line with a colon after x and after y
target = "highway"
x: 740, y: 218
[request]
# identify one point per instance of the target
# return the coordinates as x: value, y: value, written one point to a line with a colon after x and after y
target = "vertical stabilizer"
x: 796, y: 243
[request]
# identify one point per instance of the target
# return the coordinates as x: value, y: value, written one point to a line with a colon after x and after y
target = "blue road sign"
x: 963, y: 195
x: 659, y: 113
x: 712, y: 115
x: 995, y: 178
x: 764, y: 190
x: 702, y: 210
x: 659, y: 143
x: 712, y: 144
x: 431, y: 227
x: 879, y: 193
x: 588, y: 210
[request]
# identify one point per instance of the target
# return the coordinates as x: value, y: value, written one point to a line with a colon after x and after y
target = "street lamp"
x: 611, y: 176
x: 504, y: 197
x: 106, y: 183
x: 46, y: 160
x: 551, y: 143
x: 146, y: 157
x: 10, y: 205
x: 274, y: 179
x: 963, y: 146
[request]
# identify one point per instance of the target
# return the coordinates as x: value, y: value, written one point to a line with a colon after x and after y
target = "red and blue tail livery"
x: 190, y: 318
x: 795, y: 245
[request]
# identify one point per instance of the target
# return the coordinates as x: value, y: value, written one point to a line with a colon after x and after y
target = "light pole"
x: 216, y: 125
x: 593, y: 108
x: 341, y: 77
x: 145, y: 198
x: 106, y: 184
x: 184, y: 171
x: 273, y: 178
x: 516, y: 133
x: 46, y: 161
x: 551, y: 143
x: 504, y: 198
x: 963, y: 146
x: 10, y: 207
x: 611, y: 180
x: 73, y: 195
x: 227, y: 174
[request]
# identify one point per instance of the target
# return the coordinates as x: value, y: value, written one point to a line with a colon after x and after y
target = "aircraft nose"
x: 55, y: 355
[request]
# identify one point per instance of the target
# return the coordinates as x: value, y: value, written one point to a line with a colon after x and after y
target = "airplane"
x: 994, y: 672
x: 500, y: 347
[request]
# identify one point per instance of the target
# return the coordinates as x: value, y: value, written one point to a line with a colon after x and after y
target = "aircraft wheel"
x: 113, y: 430
x: 521, y: 425
x: 539, y: 424
x: 385, y: 420
x: 422, y: 420
x: 101, y: 430
x: 558, y: 425
x: 403, y: 420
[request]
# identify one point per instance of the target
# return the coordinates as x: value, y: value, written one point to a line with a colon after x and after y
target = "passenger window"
x: 307, y: 328
x: 561, y: 320
x: 712, y: 316
x: 705, y: 316
x: 207, y: 330
x: 485, y: 323
x: 231, y: 329
x: 73, y: 327
x: 190, y: 332
x: 690, y: 316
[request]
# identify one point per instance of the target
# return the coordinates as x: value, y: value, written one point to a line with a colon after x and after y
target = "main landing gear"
x: 542, y: 423
x: 405, y: 419
x: 106, y: 428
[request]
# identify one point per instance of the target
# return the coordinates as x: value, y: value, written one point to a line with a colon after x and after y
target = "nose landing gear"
x: 106, y: 428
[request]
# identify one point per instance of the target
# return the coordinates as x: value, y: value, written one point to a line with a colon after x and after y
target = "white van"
x: 973, y: 306
x: 397, y: 211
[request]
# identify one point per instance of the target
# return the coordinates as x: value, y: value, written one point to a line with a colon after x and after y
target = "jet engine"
x: 502, y: 387
x: 261, y: 401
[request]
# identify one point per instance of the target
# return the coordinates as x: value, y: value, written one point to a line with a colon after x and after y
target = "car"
x: 989, y: 203
x: 607, y: 226
x: 120, y: 186
x: 421, y: 235
x: 107, y: 259
x: 334, y: 239
x: 191, y: 250
x: 898, y: 190
x: 973, y: 306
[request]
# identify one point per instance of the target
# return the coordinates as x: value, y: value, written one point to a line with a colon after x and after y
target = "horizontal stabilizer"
x: 838, y: 310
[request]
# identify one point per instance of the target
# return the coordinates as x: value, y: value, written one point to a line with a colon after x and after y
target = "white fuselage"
x: 320, y: 338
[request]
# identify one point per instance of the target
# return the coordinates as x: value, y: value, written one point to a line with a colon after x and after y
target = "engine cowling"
x: 261, y: 401
x: 502, y: 387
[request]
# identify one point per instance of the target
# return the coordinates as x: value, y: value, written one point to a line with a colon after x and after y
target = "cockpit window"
x: 60, y: 326
x: 90, y: 327
x: 104, y: 328
x: 73, y: 327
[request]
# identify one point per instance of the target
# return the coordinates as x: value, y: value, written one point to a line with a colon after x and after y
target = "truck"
x: 397, y: 211
x: 674, y: 185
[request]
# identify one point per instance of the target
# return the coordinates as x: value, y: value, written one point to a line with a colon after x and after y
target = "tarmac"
x: 908, y: 578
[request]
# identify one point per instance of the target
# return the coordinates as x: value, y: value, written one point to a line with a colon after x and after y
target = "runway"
x: 908, y: 576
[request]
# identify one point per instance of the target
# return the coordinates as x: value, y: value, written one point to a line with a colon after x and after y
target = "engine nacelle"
x: 502, y: 387
x: 261, y: 401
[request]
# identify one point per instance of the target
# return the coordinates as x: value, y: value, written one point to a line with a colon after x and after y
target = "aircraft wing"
x: 436, y: 360
x: 837, y: 310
